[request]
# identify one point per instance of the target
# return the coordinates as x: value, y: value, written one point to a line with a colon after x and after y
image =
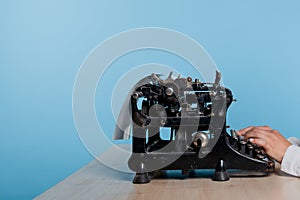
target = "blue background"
x: 255, y: 45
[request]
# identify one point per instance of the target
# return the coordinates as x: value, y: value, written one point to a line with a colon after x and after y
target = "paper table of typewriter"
x: 180, y: 124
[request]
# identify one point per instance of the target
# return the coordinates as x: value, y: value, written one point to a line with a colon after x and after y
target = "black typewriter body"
x: 180, y: 124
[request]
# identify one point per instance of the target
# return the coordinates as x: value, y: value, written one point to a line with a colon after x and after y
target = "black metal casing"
x: 194, y: 113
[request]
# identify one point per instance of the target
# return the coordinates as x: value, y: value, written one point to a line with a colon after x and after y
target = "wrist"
x: 288, y: 144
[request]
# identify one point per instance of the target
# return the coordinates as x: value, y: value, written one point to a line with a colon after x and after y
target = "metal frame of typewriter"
x: 194, y: 113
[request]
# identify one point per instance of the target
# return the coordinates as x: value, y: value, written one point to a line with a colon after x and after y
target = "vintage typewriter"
x: 180, y: 124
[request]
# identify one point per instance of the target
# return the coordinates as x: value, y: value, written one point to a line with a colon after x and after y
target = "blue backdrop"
x: 255, y: 45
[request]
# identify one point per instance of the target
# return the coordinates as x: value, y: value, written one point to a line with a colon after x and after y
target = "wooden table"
x: 96, y: 181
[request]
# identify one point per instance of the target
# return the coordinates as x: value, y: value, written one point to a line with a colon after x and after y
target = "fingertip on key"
x: 239, y: 132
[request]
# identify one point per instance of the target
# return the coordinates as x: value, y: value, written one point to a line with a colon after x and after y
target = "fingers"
x: 258, y: 133
x: 244, y: 130
x: 260, y: 142
x: 249, y: 128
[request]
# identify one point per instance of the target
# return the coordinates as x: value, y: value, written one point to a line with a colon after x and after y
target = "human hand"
x: 271, y: 140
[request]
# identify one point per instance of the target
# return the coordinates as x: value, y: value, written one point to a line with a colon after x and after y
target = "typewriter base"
x: 199, y: 173
x: 237, y: 164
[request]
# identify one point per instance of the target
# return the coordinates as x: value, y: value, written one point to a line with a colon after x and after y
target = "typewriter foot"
x: 141, y: 178
x: 220, y: 173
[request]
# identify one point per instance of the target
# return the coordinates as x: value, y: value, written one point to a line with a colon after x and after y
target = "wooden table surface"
x: 96, y: 181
